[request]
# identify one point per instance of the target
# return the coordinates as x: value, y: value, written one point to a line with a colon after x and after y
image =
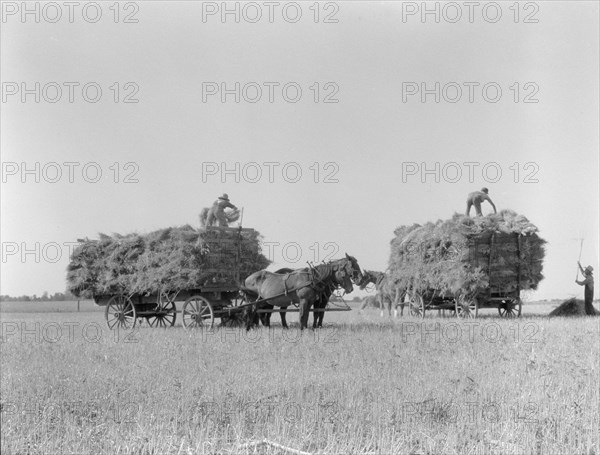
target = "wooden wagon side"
x: 498, y: 255
x: 218, y: 298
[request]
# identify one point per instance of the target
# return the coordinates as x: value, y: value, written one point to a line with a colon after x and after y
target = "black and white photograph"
x: 300, y: 227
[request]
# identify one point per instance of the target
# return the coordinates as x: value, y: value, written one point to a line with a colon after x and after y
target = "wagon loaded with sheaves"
x: 141, y: 277
x: 464, y: 264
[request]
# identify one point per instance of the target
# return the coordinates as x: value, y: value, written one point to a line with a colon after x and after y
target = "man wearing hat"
x: 219, y: 207
x: 476, y: 198
x: 588, y: 293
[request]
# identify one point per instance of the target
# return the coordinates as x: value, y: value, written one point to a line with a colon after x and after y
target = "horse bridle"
x: 319, y: 277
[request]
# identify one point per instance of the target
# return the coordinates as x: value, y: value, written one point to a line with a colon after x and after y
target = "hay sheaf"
x: 468, y: 255
x: 573, y: 307
x: 170, y: 259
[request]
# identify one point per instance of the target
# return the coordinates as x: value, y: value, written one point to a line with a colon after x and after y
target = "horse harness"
x: 317, y: 280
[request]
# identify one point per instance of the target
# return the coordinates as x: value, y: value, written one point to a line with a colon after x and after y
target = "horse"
x: 387, y: 293
x: 304, y: 286
x: 320, y: 303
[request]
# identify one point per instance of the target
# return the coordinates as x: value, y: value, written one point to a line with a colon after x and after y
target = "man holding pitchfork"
x: 588, y: 292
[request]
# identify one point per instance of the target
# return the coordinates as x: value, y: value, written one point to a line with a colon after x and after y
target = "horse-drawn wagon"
x: 200, y: 307
x: 143, y: 277
x: 462, y: 265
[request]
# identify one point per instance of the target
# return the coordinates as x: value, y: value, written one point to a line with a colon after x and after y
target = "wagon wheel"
x: 197, y: 312
x: 234, y: 318
x: 466, y: 307
x: 510, y: 308
x: 416, y: 305
x: 120, y: 313
x: 166, y: 312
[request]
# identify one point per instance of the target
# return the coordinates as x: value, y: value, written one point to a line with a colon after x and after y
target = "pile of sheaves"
x: 574, y: 307
x: 468, y: 255
x: 167, y: 260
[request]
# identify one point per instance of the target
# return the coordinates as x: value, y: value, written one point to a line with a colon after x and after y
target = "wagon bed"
x: 218, y: 298
x: 499, y: 256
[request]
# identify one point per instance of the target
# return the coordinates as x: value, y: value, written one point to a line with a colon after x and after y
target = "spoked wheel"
x: 510, y: 308
x: 166, y: 312
x: 235, y: 318
x: 197, y: 312
x: 417, y: 305
x: 466, y: 307
x: 120, y: 313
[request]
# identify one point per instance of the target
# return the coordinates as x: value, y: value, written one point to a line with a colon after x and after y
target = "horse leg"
x: 321, y: 314
x: 265, y: 318
x: 318, y: 315
x: 317, y: 318
x: 283, y: 320
x: 403, y: 302
x: 381, y: 303
x: 251, y: 318
x: 305, y: 305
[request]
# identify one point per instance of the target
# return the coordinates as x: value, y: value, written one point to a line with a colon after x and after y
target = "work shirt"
x: 588, y: 282
x: 222, y: 204
x: 478, y: 196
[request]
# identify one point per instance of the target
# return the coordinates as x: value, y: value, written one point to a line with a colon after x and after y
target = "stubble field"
x: 364, y: 384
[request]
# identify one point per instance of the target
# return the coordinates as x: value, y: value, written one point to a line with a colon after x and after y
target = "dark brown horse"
x: 304, y: 286
x: 320, y: 304
x: 388, y: 294
x: 265, y: 318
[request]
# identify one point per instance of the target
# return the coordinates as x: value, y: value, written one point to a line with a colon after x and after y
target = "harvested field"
x: 358, y: 386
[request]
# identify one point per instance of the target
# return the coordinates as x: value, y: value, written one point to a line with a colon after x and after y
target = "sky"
x: 330, y: 123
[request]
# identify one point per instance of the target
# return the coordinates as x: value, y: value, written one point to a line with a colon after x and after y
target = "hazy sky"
x: 370, y: 57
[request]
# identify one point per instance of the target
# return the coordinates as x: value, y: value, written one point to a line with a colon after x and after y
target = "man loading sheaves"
x: 476, y: 198
x: 219, y: 207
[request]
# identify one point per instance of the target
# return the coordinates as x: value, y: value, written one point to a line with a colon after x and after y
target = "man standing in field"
x: 588, y: 293
x: 476, y: 198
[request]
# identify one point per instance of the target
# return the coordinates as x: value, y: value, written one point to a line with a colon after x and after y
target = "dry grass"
x: 169, y: 259
x: 367, y: 385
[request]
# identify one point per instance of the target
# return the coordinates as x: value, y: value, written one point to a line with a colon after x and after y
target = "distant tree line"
x: 45, y: 297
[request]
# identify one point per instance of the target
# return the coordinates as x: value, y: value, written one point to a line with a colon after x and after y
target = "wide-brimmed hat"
x: 224, y: 197
x: 589, y: 269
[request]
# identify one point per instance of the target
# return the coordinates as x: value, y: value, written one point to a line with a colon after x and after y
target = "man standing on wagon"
x: 476, y: 198
x: 588, y: 292
x: 219, y: 207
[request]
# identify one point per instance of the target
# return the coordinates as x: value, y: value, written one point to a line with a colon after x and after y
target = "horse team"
x: 307, y: 287
x: 312, y: 287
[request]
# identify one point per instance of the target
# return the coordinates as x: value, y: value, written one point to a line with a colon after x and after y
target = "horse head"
x: 342, y: 279
x: 352, y: 268
x: 369, y: 276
